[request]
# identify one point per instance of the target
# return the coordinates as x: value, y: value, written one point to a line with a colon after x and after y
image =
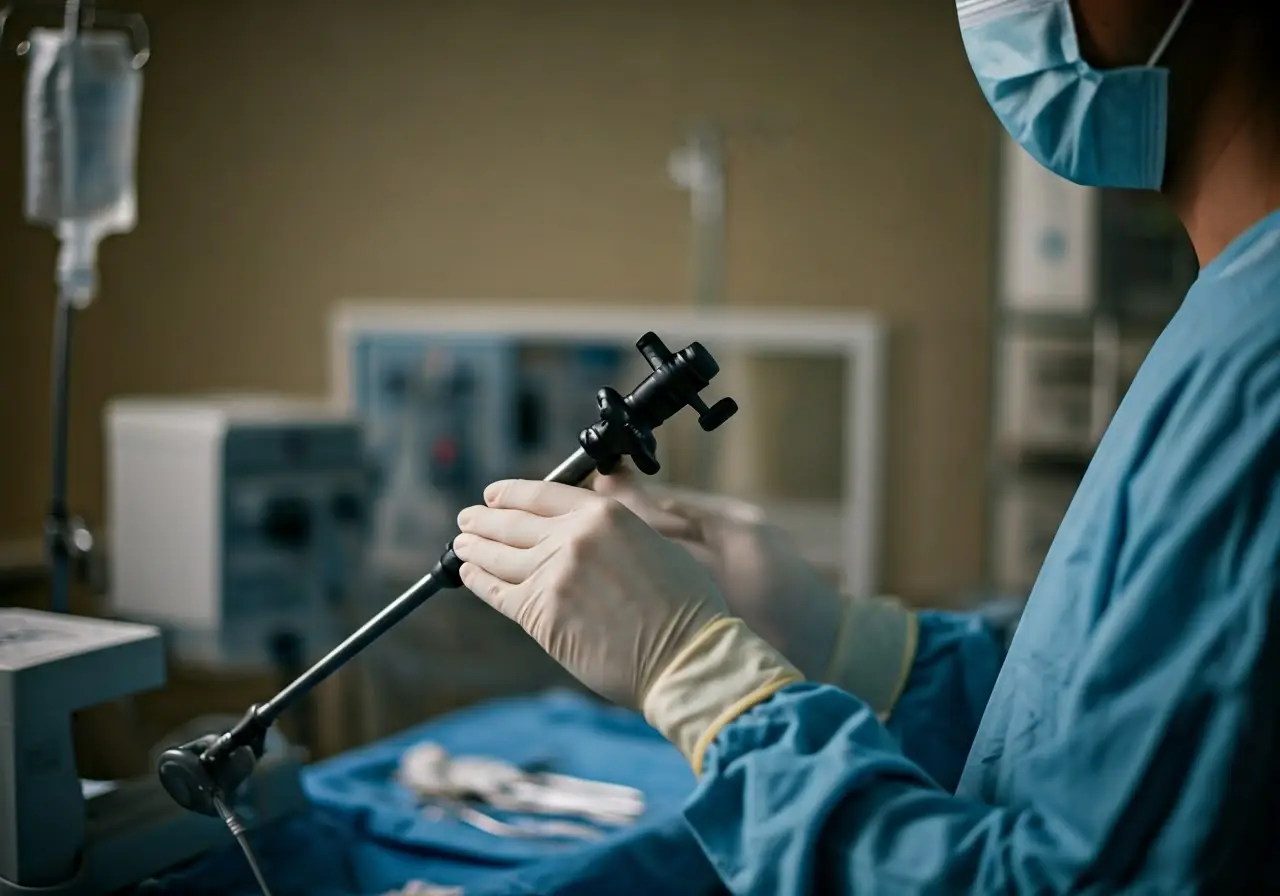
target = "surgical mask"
x: 1094, y: 128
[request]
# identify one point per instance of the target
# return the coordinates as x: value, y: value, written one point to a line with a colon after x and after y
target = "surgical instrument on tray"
x: 429, y: 772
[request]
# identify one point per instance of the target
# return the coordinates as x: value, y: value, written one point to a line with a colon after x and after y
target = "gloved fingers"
x: 537, y: 497
x: 701, y: 553
x: 502, y: 596
x: 620, y: 480
x: 708, y: 507
x: 502, y: 561
x: 621, y: 487
x: 678, y: 507
x: 672, y: 525
x: 666, y: 517
x: 516, y: 528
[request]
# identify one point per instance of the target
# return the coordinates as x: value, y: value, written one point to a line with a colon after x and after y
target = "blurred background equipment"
x: 536, y: 360
x: 63, y: 835
x: 51, y: 666
x: 447, y: 415
x: 531, y: 374
x: 82, y: 107
x: 266, y: 202
x: 60, y: 834
x: 238, y: 525
x: 235, y: 519
x: 1086, y: 280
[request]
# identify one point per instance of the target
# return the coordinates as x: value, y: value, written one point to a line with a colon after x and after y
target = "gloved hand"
x: 865, y: 647
x: 630, y: 613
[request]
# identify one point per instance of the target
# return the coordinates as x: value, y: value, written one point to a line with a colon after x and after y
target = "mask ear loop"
x: 1170, y: 33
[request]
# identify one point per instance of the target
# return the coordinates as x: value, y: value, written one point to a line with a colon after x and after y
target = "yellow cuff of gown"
x: 875, y: 652
x: 724, y: 671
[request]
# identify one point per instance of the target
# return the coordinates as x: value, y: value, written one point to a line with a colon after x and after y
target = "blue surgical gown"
x: 1130, y: 742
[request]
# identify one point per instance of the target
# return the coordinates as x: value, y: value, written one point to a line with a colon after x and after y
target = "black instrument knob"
x: 718, y: 414
x: 700, y: 362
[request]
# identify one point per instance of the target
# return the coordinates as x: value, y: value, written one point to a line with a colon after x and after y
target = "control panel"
x: 448, y: 414
x: 295, y: 518
x: 439, y: 429
x: 237, y: 525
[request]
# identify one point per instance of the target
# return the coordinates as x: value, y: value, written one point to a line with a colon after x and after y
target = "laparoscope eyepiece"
x: 701, y: 368
x: 700, y: 362
x: 674, y: 384
x: 654, y: 350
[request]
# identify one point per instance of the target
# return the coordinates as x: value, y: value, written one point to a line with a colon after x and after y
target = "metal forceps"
x: 465, y: 783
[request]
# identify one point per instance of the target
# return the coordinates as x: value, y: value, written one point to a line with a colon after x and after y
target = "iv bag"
x: 83, y: 105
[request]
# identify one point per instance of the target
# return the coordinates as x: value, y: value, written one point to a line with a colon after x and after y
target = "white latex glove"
x: 863, y: 646
x: 630, y: 613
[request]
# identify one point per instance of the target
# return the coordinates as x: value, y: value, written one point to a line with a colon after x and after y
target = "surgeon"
x: 1130, y: 741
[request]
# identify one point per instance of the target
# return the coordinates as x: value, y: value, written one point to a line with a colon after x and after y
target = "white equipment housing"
x: 233, y: 519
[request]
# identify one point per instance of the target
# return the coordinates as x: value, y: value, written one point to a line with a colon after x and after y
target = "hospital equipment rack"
x: 1085, y: 280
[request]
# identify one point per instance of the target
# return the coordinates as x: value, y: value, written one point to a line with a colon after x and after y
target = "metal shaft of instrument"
x: 576, y: 468
x: 378, y: 625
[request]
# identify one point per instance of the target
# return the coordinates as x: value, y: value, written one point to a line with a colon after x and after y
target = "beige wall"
x: 297, y: 153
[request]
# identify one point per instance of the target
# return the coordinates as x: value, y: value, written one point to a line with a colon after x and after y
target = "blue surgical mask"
x: 1094, y: 128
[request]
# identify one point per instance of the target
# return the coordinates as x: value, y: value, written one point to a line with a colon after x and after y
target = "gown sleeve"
x: 1162, y: 770
x: 934, y: 721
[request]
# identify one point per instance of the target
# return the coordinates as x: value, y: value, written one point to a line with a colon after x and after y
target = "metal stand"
x: 205, y: 773
x: 68, y: 541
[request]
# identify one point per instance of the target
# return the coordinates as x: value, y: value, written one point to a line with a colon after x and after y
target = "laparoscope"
x: 204, y: 775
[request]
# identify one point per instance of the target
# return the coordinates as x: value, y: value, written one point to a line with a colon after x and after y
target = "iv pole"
x: 67, y: 539
x: 63, y: 537
x: 699, y: 168
x: 68, y: 542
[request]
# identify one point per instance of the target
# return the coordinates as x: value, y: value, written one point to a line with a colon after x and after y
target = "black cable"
x: 238, y: 830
